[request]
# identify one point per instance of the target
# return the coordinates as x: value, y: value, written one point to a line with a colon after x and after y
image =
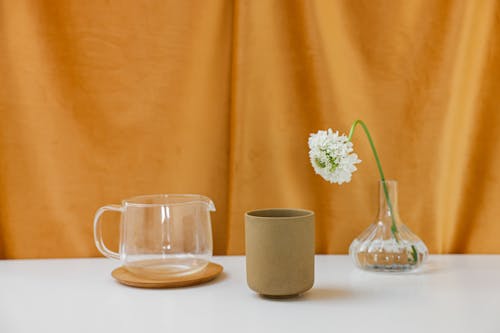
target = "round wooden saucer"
x: 210, y: 272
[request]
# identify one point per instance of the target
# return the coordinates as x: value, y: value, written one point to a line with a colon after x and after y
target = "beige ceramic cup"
x: 279, y: 251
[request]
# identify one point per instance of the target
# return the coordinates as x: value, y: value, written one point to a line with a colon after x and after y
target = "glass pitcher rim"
x: 135, y: 201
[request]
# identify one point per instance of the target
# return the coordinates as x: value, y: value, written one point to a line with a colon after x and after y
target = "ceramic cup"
x: 279, y: 251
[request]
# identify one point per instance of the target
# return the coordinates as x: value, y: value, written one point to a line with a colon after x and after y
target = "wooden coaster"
x: 210, y: 272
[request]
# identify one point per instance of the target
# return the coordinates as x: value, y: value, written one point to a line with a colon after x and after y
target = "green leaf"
x: 414, y: 254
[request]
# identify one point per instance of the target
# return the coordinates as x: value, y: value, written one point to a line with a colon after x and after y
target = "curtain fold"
x: 101, y: 101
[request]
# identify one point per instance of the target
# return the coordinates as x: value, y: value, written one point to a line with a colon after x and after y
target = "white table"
x: 451, y: 294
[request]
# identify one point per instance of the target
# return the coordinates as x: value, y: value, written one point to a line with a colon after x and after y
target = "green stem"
x: 351, y: 133
x: 394, y: 228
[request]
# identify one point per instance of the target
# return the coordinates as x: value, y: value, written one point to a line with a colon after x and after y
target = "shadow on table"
x: 430, y: 267
x: 315, y: 295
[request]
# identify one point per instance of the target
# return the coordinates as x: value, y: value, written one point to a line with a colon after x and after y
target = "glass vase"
x: 388, y: 244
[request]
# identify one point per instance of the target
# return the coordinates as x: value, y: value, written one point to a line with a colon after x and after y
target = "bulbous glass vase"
x: 387, y: 244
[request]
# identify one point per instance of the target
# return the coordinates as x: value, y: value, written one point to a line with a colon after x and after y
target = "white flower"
x: 331, y: 157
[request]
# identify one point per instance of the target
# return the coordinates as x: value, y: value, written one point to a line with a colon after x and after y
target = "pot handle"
x: 99, y: 243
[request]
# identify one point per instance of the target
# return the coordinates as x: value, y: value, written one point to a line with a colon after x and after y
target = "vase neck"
x: 384, y: 212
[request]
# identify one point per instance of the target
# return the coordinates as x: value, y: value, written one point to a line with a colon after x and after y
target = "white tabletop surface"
x: 450, y: 294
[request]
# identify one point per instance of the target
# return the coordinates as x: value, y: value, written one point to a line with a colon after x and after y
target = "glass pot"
x: 161, y: 235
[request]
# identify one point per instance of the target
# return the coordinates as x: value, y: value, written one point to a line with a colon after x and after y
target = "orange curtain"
x: 101, y: 101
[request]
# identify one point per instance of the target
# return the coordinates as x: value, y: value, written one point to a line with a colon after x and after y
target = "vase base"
x: 390, y: 269
x: 398, y: 259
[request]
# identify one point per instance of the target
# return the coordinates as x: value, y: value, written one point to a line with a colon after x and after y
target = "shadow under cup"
x: 280, y: 251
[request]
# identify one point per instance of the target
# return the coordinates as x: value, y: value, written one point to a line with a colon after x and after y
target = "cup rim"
x: 301, y: 213
x: 138, y: 200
